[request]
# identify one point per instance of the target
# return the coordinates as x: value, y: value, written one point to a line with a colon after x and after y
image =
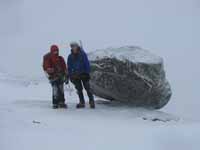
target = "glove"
x: 63, y: 78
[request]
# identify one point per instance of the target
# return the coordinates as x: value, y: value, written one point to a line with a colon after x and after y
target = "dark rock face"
x: 131, y: 75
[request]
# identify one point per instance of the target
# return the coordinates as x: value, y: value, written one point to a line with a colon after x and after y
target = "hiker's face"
x: 55, y: 53
x: 75, y: 49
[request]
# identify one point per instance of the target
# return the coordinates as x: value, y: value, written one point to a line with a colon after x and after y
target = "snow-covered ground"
x: 28, y: 122
x: 168, y: 28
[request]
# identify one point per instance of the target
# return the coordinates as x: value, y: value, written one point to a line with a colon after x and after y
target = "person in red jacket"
x: 56, y: 71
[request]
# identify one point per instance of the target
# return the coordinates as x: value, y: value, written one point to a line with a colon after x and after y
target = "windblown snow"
x: 132, y: 53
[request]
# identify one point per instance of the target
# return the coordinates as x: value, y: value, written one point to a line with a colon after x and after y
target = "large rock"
x: 130, y: 74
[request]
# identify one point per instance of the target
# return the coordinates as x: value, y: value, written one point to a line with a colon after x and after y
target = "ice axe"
x: 81, y: 44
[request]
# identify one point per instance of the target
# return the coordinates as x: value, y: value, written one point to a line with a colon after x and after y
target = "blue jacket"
x: 78, y: 63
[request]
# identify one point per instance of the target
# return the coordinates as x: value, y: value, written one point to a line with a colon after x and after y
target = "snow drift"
x: 130, y: 74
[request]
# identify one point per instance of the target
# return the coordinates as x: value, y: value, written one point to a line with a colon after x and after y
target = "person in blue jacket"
x: 79, y: 73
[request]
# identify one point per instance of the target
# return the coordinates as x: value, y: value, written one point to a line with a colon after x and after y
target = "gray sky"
x: 169, y: 28
x: 29, y: 27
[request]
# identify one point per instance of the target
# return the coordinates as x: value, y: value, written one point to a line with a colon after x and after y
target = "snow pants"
x: 58, y: 92
x: 79, y: 84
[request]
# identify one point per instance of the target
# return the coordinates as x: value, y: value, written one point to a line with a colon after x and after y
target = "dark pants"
x: 79, y: 84
x: 58, y: 92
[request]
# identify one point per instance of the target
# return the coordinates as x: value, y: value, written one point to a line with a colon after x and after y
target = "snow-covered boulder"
x: 130, y: 74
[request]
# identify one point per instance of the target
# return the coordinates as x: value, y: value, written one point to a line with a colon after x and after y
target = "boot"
x: 62, y: 105
x: 80, y: 105
x: 92, y: 104
x: 55, y: 106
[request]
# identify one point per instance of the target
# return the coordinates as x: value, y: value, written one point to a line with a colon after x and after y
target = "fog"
x: 169, y: 28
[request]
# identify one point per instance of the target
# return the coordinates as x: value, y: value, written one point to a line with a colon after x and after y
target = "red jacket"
x: 54, y: 66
